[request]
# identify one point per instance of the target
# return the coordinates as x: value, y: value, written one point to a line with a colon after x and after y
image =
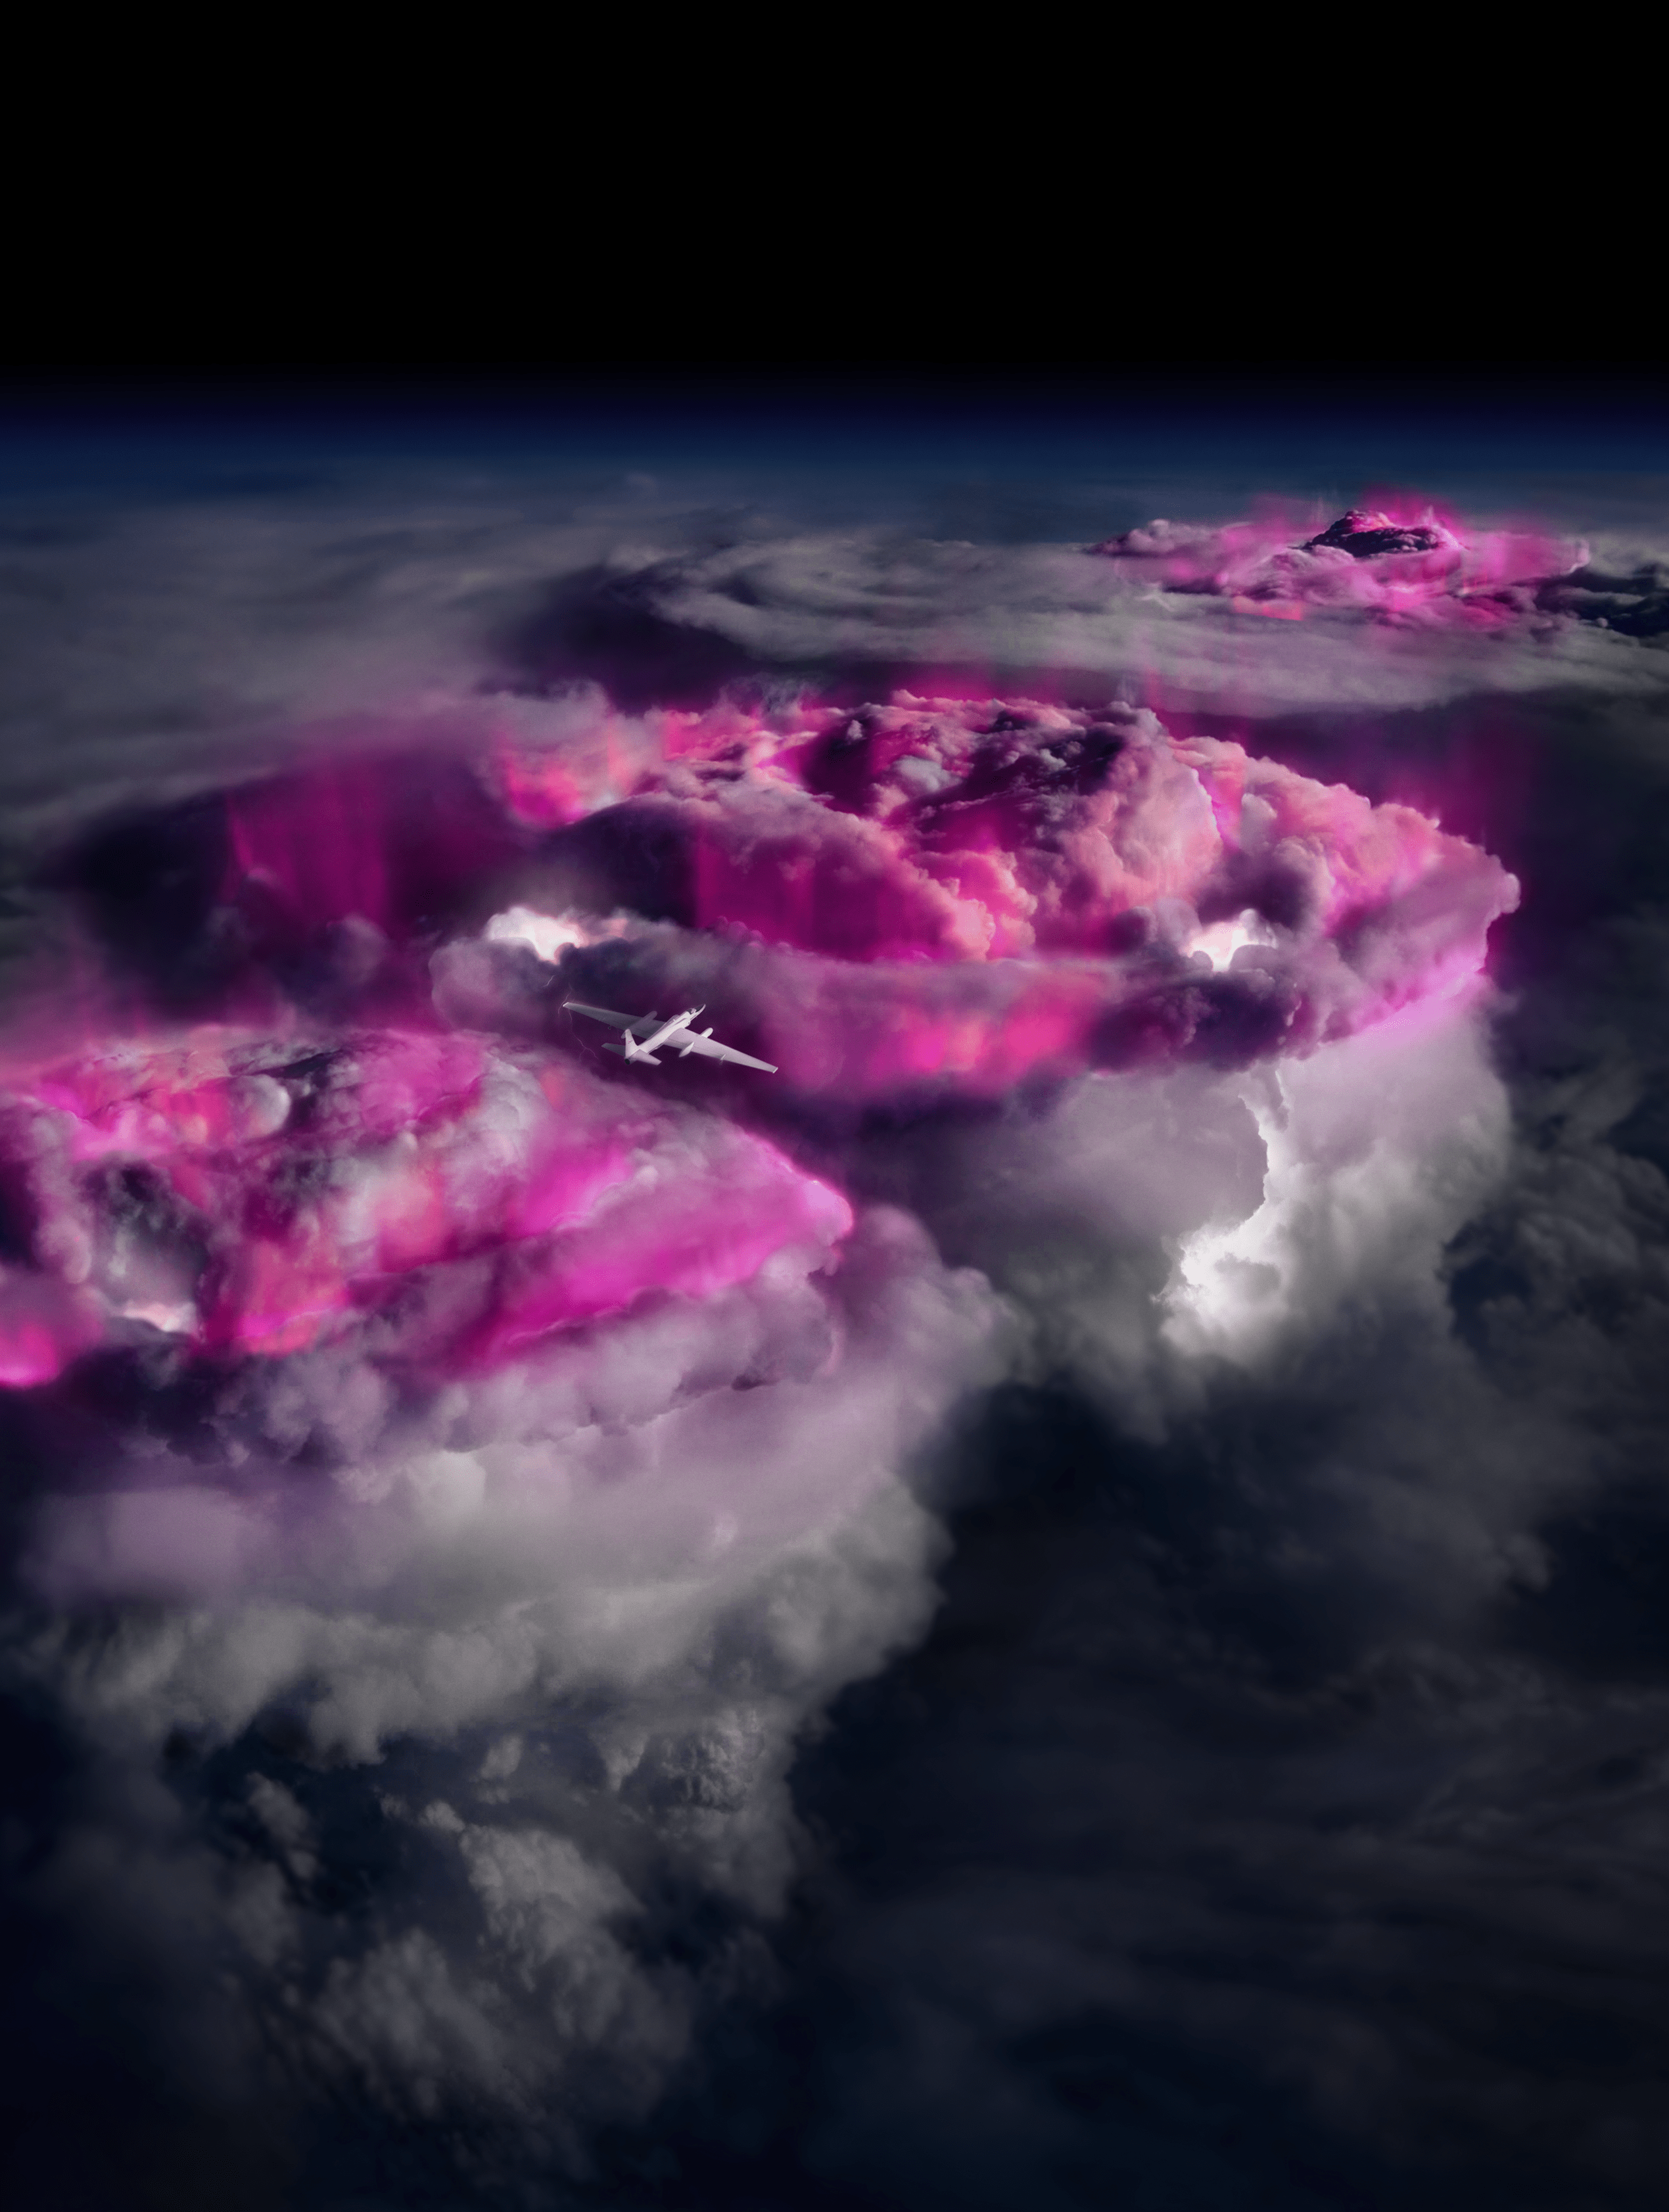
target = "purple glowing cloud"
x: 257, y: 1195
x: 959, y: 894
x: 938, y: 894
x: 1406, y: 563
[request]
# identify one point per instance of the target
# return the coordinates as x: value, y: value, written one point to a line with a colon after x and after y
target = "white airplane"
x: 642, y: 1034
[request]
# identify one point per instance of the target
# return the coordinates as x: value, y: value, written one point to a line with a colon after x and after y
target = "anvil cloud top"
x: 925, y: 897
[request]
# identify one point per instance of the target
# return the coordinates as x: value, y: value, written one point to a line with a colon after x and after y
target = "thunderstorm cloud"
x: 1053, y: 1603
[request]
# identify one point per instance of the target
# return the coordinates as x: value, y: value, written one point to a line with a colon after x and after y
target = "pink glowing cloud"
x: 935, y: 896
x: 436, y: 1196
x: 961, y: 893
x: 1405, y: 563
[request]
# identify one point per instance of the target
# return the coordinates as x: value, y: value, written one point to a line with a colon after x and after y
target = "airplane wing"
x: 712, y: 1051
x: 639, y: 1024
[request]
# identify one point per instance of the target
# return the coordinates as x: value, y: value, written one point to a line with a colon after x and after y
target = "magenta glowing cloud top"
x: 928, y: 897
x: 952, y: 896
x: 447, y: 1201
x: 1406, y: 563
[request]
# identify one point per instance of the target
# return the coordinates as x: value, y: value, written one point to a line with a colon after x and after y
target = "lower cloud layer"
x: 476, y: 1721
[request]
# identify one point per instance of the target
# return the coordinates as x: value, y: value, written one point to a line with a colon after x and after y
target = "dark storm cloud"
x: 1270, y: 1805
x: 1272, y: 1814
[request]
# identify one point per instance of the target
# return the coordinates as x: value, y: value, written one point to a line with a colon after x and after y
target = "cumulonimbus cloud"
x: 1408, y: 564
x: 537, y: 1446
x: 949, y: 896
x: 376, y: 1236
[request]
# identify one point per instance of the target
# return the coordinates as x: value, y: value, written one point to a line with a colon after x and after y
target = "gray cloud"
x: 1151, y: 1685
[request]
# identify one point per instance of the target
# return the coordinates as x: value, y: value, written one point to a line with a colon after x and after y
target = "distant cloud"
x: 1411, y: 567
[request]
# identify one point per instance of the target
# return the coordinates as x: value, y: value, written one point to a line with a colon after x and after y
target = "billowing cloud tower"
x: 455, y: 1474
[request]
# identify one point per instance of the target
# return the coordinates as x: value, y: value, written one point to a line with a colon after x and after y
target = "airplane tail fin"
x: 637, y: 1058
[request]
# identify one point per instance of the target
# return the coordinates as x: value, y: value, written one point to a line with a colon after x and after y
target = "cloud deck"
x: 457, y: 1478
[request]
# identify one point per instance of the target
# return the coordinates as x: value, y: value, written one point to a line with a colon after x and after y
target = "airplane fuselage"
x: 640, y: 1034
x: 642, y: 1047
